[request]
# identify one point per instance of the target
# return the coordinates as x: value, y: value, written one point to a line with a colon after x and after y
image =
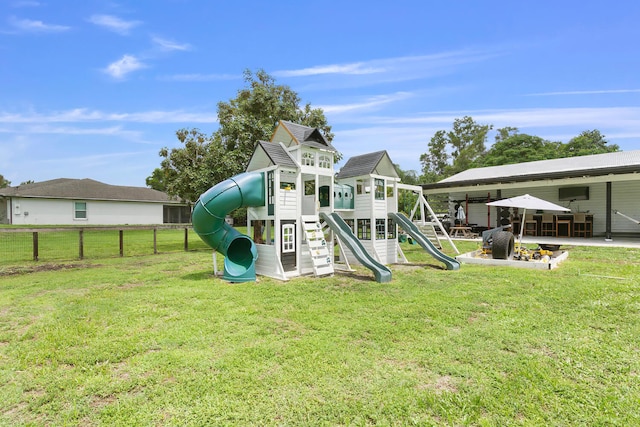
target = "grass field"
x: 156, y: 340
x: 17, y: 247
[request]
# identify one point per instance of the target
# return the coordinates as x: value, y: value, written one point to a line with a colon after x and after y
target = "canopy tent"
x: 525, y: 202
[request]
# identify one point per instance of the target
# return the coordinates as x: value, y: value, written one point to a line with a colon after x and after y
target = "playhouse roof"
x: 378, y: 163
x: 277, y: 154
x: 305, y: 135
x: 89, y: 189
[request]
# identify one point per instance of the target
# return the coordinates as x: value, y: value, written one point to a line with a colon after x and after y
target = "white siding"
x: 28, y: 211
x: 268, y: 264
x: 288, y: 204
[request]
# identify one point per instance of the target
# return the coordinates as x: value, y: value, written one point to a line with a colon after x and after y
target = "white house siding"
x: 392, y: 251
x: 32, y: 211
x: 381, y: 251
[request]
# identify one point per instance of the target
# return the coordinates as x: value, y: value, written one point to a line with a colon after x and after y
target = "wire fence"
x: 63, y: 244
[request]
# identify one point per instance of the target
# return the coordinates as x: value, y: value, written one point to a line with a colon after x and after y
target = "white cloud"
x: 33, y: 26
x: 168, y: 45
x: 83, y: 115
x: 357, y: 68
x: 389, y: 69
x: 113, y: 23
x: 125, y: 65
x: 368, y: 104
x: 585, y: 92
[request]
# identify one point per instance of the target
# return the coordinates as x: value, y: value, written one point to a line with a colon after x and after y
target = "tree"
x: 4, y: 182
x: 513, y: 147
x: 588, y: 142
x: 466, y: 144
x: 30, y: 181
x: 255, y: 112
x: 251, y: 116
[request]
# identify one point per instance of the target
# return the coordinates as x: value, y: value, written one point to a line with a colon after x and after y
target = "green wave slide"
x: 344, y: 233
x: 208, y: 219
x: 414, y: 231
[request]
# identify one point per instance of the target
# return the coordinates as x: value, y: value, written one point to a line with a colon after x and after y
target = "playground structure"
x: 306, y: 219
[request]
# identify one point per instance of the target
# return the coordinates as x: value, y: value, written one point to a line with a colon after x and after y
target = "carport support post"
x: 607, y: 234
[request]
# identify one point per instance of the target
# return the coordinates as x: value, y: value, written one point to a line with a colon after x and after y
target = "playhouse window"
x: 379, y: 189
x: 308, y: 159
x: 324, y: 161
x: 360, y: 188
x: 350, y: 223
x: 391, y: 229
x: 80, y: 210
x: 364, y: 229
x: 310, y: 188
x: 287, y: 186
x: 288, y: 238
x: 380, y: 229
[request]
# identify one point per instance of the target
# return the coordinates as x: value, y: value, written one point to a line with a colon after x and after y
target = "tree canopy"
x: 4, y: 182
x: 463, y: 147
x: 203, y: 160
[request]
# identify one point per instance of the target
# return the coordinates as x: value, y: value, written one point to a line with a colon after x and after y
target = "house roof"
x: 367, y: 164
x: 86, y: 189
x: 305, y: 135
x: 619, y: 162
x: 277, y: 154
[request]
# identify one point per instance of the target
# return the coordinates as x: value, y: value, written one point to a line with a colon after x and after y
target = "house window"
x: 381, y: 232
x: 391, y: 229
x: 308, y: 159
x: 324, y: 161
x: 350, y: 223
x: 80, y: 210
x: 379, y: 189
x: 360, y: 187
x: 310, y: 188
x: 364, y: 229
x: 288, y: 238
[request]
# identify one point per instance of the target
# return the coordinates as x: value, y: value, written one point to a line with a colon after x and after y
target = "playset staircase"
x: 318, y: 247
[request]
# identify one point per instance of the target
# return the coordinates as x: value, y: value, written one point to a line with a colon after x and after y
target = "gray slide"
x: 413, y: 231
x: 344, y: 233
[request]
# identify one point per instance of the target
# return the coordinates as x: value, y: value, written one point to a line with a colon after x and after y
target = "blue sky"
x: 94, y: 88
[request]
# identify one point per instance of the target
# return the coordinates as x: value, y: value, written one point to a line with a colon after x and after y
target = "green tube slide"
x: 208, y: 219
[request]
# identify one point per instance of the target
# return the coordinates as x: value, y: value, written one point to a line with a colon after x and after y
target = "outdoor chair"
x: 548, y: 225
x: 560, y: 225
x: 530, y: 225
x: 581, y: 227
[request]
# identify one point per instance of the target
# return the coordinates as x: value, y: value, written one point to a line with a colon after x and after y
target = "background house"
x: 87, y: 202
x: 599, y: 185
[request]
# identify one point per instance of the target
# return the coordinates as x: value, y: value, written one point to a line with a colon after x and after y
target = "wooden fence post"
x: 155, y: 241
x: 35, y: 246
x: 121, y: 232
x: 186, y: 239
x: 81, y: 243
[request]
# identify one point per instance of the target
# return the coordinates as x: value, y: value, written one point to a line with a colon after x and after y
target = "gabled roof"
x: 378, y: 163
x: 619, y: 162
x: 276, y: 154
x: 86, y: 189
x: 305, y: 135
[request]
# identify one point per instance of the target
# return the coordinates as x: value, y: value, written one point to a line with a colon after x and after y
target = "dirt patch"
x: 11, y: 271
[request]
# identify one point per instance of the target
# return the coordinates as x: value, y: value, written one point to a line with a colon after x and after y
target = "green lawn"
x: 156, y: 340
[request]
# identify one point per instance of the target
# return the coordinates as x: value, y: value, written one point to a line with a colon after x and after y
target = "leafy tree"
x: 3, y: 182
x: 466, y: 144
x: 588, y: 142
x: 157, y: 180
x: 30, y: 181
x: 251, y: 116
x: 513, y: 147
